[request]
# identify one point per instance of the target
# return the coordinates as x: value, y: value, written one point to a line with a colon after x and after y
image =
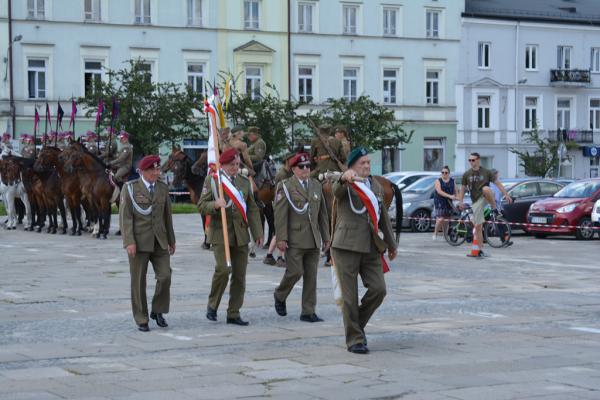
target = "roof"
x: 584, y: 12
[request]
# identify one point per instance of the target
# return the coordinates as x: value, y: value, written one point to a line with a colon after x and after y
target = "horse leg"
x: 20, y: 209
x: 28, y: 213
x: 63, y: 216
x: 11, y: 211
x: 270, y: 216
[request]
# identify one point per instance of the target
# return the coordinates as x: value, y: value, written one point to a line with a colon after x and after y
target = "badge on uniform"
x: 316, y: 196
x: 279, y: 196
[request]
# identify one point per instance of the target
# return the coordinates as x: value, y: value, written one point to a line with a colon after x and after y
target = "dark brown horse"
x: 46, y: 170
x: 34, y: 189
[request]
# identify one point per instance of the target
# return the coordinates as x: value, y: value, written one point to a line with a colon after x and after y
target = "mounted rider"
x: 91, y: 143
x: 341, y: 134
x: 326, y: 152
x: 124, y: 159
x: 65, y: 139
x: 7, y: 146
x: 237, y: 142
x: 28, y: 146
x: 257, y: 149
x: 108, y: 140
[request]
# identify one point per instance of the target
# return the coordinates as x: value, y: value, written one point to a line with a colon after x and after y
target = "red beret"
x: 228, y: 156
x: 300, y: 158
x: 148, y: 162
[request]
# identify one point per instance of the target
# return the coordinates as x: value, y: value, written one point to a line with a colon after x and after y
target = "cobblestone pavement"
x: 522, y: 324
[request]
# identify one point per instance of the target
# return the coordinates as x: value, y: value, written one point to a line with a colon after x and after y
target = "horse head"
x: 10, y: 172
x: 47, y: 159
x: 179, y: 163
x: 77, y: 157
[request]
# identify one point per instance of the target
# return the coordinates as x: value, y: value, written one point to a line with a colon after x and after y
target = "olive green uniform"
x: 321, y: 159
x: 152, y: 234
x: 257, y: 151
x: 356, y: 250
x: 123, y: 162
x: 242, y: 148
x: 237, y: 230
x: 282, y: 174
x: 113, y: 150
x: 346, y: 147
x: 304, y: 230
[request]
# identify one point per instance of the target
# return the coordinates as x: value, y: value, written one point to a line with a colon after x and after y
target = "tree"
x: 545, y: 157
x: 152, y: 113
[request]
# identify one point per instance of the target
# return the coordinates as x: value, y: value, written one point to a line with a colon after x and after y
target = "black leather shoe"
x: 211, y: 314
x: 143, y: 328
x: 280, y: 307
x: 310, y: 318
x: 205, y: 246
x: 358, y: 348
x: 237, y: 321
x: 160, y: 320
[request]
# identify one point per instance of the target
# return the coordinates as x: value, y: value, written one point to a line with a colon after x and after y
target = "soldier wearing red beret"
x: 146, y: 224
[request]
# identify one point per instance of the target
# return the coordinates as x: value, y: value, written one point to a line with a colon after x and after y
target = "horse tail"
x: 399, y: 211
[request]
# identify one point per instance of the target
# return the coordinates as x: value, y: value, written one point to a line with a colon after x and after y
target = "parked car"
x: 406, y: 178
x: 524, y: 193
x: 596, y: 216
x: 568, y: 211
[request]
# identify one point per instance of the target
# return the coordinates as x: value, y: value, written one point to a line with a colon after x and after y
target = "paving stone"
x: 36, y: 373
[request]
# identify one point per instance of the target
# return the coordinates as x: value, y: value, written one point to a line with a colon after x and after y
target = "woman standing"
x: 445, y: 188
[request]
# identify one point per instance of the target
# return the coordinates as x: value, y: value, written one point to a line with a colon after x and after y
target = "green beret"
x: 355, y: 154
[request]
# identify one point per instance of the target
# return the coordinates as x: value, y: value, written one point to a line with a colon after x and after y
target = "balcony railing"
x: 570, y: 77
x: 571, y: 135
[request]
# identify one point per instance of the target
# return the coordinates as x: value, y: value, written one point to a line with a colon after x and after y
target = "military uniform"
x: 113, y: 149
x: 321, y: 159
x: 346, y: 147
x: 152, y: 234
x: 301, y: 220
x: 238, y: 242
x: 28, y: 151
x: 242, y: 148
x: 283, y: 174
x: 356, y: 250
x: 123, y: 162
x: 257, y: 152
x: 92, y: 147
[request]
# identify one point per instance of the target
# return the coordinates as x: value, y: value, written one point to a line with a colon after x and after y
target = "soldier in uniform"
x: 357, y: 246
x: 124, y: 158
x: 108, y: 154
x: 147, y: 225
x: 302, y: 227
x: 65, y: 140
x: 257, y: 149
x: 53, y: 138
x: 236, y: 141
x: 225, y: 137
x: 241, y: 215
x: 341, y: 134
x: 28, y: 149
x: 91, y: 142
x: 320, y: 156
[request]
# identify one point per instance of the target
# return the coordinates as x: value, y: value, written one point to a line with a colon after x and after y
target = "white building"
x: 527, y: 64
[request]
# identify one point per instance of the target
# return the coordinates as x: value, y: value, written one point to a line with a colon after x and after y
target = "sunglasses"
x: 303, y: 166
x: 444, y: 172
x: 473, y: 159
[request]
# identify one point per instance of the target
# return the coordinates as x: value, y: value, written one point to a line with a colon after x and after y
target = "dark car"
x: 524, y: 193
x: 566, y: 212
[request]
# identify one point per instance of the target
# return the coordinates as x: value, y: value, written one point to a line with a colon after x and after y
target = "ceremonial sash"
x: 236, y: 197
x: 371, y: 204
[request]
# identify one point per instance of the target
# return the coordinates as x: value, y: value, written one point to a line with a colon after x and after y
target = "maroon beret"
x: 228, y: 156
x: 300, y: 158
x: 148, y: 162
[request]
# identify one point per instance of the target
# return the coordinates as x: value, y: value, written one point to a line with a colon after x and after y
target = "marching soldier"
x: 124, y: 158
x: 257, y: 149
x: 7, y: 146
x: 237, y: 134
x: 147, y: 225
x: 28, y: 150
x: 91, y: 142
x: 302, y: 227
x: 326, y: 152
x: 357, y: 247
x: 242, y: 213
x: 341, y: 134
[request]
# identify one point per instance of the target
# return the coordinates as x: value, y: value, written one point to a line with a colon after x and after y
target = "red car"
x: 567, y: 212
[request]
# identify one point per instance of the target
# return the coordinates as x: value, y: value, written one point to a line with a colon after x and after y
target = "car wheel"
x: 420, y: 221
x: 585, y: 232
x: 540, y: 235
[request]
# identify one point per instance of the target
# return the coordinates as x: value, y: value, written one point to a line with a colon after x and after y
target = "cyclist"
x: 498, y: 197
x: 477, y: 179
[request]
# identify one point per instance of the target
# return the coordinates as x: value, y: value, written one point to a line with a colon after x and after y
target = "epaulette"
x: 243, y: 176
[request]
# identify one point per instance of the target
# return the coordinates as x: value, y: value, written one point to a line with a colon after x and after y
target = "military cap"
x: 123, y: 134
x: 300, y: 159
x: 254, y: 129
x: 228, y: 155
x: 150, y: 161
x: 355, y: 154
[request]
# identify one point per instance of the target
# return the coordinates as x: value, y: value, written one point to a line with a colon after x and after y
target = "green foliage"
x: 152, y: 113
x: 544, y: 159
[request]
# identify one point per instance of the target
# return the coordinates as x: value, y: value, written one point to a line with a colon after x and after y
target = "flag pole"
x: 35, y: 123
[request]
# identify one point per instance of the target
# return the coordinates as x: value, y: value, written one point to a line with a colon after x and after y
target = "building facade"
x: 525, y: 67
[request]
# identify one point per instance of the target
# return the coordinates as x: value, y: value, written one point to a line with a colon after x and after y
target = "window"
x: 595, y: 114
x: 305, y: 84
x: 146, y: 69
x: 251, y: 14
x: 531, y: 52
x: 253, y: 82
x: 433, y: 154
x: 527, y: 189
x: 350, y: 14
x: 531, y: 112
x: 142, y: 11
x: 390, y: 17
x: 194, y: 12
x: 483, y: 60
x: 483, y: 112
x: 195, y: 77
x: 36, y: 78
x: 305, y: 17
x: 92, y: 10
x: 35, y: 9
x: 432, y: 87
x: 563, y: 113
x: 564, y: 57
x: 92, y: 76
x: 390, y: 82
x: 595, y: 59
x: 432, y: 24
x: 549, y: 188
x: 350, y: 83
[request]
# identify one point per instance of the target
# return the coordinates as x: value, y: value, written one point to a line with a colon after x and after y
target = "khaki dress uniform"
x: 123, y: 162
x: 257, y: 152
x: 282, y: 174
x: 152, y: 234
x: 113, y: 149
x: 301, y: 220
x: 242, y: 148
x: 346, y: 147
x: 356, y: 250
x: 321, y: 158
x: 238, y: 242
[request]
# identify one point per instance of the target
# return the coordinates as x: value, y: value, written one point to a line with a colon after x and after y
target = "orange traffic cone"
x: 475, y: 247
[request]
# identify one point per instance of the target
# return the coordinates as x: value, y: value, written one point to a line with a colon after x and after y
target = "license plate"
x: 538, y: 220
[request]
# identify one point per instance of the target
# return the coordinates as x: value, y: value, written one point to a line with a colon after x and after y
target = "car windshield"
x: 395, y: 178
x: 579, y: 189
x: 422, y: 185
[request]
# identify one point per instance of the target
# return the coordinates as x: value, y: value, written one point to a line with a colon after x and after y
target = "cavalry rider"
x: 341, y: 134
x: 7, y: 147
x: 124, y: 158
x: 28, y: 149
x: 65, y: 139
x: 326, y: 152
x: 236, y: 141
x: 109, y: 139
x: 257, y: 149
x: 52, y: 138
x: 91, y: 143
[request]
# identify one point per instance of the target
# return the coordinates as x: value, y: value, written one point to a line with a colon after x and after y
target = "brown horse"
x: 183, y: 173
x: 34, y: 189
x: 46, y: 169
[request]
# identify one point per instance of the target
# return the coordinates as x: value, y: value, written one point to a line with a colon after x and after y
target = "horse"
x: 47, y: 169
x: 265, y: 182
x: 96, y: 186
x: 71, y: 188
x: 12, y: 187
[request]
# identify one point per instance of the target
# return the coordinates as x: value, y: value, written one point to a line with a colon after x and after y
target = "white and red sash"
x: 371, y: 203
x: 234, y: 195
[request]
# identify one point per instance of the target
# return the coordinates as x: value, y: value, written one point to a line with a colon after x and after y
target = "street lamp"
x: 15, y: 40
x: 9, y: 58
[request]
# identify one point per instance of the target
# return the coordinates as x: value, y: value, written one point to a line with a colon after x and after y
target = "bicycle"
x: 496, y: 230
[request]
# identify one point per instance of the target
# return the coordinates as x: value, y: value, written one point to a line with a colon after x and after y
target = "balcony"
x: 570, y: 77
x: 571, y: 135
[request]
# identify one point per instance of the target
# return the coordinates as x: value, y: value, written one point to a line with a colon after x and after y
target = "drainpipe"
x: 289, y: 56
x: 10, y: 68
x: 517, y: 90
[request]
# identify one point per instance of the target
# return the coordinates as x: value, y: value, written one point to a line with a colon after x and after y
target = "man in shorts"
x: 477, y: 181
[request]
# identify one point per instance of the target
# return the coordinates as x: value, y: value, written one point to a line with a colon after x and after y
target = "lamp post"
x: 10, y: 67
